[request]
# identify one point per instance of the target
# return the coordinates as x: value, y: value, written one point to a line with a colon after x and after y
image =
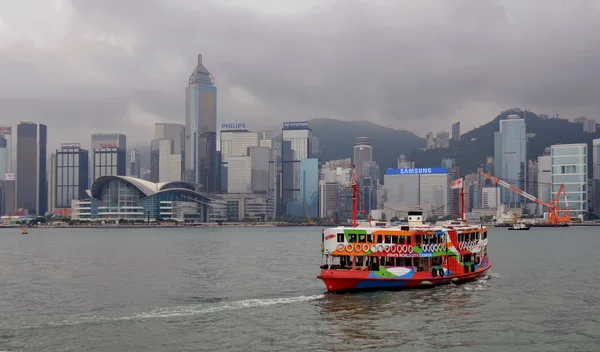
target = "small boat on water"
x: 519, y: 227
x: 376, y: 255
x: 24, y: 231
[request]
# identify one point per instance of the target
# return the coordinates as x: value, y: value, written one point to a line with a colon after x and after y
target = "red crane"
x: 556, y: 214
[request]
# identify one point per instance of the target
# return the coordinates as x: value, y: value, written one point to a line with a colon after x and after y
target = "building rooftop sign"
x: 70, y: 145
x: 295, y: 125
x: 233, y: 126
x: 417, y: 171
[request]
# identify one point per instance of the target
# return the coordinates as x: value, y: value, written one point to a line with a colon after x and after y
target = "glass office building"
x: 71, y: 179
x: 570, y: 167
x: 510, y: 158
x: 32, y: 191
x: 295, y: 147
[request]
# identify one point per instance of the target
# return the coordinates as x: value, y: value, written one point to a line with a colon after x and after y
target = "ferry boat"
x: 376, y: 255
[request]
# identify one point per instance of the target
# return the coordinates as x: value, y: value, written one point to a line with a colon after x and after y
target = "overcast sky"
x: 119, y: 66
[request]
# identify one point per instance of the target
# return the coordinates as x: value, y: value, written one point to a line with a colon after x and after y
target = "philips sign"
x: 417, y: 171
x: 295, y: 125
x: 233, y: 126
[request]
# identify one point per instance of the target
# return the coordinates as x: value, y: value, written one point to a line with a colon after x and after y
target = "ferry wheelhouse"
x: 376, y: 255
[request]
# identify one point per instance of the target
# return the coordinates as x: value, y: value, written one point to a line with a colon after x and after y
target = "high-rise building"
x: 31, y: 180
x: 296, y: 139
x: 596, y: 159
x: 176, y: 134
x: 329, y: 199
x: 6, y: 155
x: 109, y: 155
x: 201, y: 162
x: 544, y: 181
x: 133, y: 163
x: 418, y: 187
x: 448, y: 163
x: 442, y: 139
x: 7, y: 195
x: 569, y: 167
x: 456, y: 131
x: 51, y: 182
x: 237, y: 143
x: 71, y: 174
x: 490, y: 197
x: 363, y: 152
x: 510, y: 158
x: 532, y: 177
x: 430, y: 140
x: 169, y: 163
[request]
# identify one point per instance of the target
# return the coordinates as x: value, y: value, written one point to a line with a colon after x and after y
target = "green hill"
x: 470, y: 152
x: 337, y: 139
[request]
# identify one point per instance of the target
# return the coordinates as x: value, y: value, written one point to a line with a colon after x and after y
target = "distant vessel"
x: 24, y: 230
x: 377, y: 255
x: 519, y: 226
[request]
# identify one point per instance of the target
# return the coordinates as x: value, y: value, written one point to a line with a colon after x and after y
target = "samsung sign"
x: 295, y: 125
x: 417, y: 171
x: 233, y: 126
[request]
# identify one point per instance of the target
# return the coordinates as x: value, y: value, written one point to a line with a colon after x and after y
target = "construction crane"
x: 556, y: 214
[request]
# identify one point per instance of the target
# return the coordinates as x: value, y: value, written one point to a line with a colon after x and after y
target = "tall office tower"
x: 544, y: 180
x: 201, y: 162
x: 456, y: 131
x: 570, y: 167
x: 31, y: 181
x: 109, y: 155
x: 596, y: 159
x: 72, y: 174
x: 169, y: 162
x: 133, y: 163
x: 6, y: 163
x: 51, y: 182
x: 363, y: 151
x: 175, y: 133
x: 296, y: 139
x: 510, y: 158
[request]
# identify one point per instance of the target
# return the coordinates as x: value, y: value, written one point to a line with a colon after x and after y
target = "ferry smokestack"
x: 415, y: 218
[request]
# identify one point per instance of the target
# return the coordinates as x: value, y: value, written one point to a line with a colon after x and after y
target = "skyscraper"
x: 201, y: 162
x: 32, y: 191
x: 6, y: 163
x: 172, y: 149
x: 133, y: 163
x: 362, y: 152
x: 72, y: 173
x: 510, y: 158
x: 596, y: 159
x: 456, y: 131
x: 109, y: 155
x: 569, y: 167
x: 296, y: 139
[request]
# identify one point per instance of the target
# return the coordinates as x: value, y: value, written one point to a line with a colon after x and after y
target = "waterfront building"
x: 130, y: 198
x: 31, y: 179
x: 419, y: 187
x: 170, y: 153
x: 70, y: 174
x: 201, y: 161
x: 510, y: 158
x: 296, y: 139
x: 6, y: 151
x: 109, y: 155
x: 490, y: 197
x: 569, y: 167
x: 544, y: 181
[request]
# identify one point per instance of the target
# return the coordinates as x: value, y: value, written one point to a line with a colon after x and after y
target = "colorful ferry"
x: 376, y: 255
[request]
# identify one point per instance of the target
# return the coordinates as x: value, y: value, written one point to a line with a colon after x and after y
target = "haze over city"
x: 112, y: 66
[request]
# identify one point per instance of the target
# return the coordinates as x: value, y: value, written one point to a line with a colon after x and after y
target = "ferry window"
x: 407, y: 239
x: 379, y: 239
x: 381, y: 260
x: 460, y: 237
x: 401, y: 239
x: 418, y: 239
x: 395, y: 239
x: 362, y: 238
x: 390, y: 261
x: 388, y: 239
x: 340, y: 237
x: 370, y: 238
x: 352, y: 237
x: 358, y: 261
x: 484, y: 235
x: 472, y: 237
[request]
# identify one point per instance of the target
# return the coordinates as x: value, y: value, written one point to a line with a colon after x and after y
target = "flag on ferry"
x: 457, y: 183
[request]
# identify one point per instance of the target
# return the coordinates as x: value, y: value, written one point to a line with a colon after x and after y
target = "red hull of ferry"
x: 341, y: 281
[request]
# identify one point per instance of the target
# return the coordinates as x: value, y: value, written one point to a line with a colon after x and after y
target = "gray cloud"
x: 420, y: 65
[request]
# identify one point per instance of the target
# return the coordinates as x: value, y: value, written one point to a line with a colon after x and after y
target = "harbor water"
x: 255, y: 289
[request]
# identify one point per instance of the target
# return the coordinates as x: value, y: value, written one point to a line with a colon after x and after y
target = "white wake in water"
x: 183, y: 311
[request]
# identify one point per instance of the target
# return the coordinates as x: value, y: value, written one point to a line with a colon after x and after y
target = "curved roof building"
x: 130, y: 198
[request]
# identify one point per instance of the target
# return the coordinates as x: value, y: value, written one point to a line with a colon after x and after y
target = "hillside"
x: 337, y: 139
x: 470, y: 152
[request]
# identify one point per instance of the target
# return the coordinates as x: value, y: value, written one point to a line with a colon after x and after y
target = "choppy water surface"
x: 255, y: 289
